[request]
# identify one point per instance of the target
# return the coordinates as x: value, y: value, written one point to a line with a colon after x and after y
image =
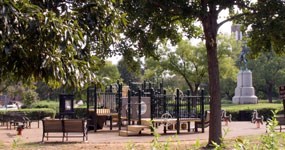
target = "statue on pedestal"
x: 244, y: 92
x: 242, y: 58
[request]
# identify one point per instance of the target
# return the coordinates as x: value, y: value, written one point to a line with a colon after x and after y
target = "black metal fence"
x: 179, y: 106
x: 110, y: 99
x: 102, y: 99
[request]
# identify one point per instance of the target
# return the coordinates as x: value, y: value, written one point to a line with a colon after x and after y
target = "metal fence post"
x: 164, y: 107
x: 119, y: 94
x: 188, y: 107
x: 95, y: 109
x: 202, y: 110
x: 129, y: 107
x: 140, y: 107
x: 177, y: 111
x: 152, y: 108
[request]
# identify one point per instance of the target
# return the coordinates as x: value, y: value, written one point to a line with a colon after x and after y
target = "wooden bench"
x: 64, y: 129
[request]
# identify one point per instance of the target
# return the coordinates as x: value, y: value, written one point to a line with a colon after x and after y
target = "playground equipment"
x: 102, y: 106
x: 66, y: 105
x: 142, y: 107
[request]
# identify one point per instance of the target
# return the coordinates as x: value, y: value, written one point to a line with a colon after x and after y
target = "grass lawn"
x: 228, y: 106
x: 233, y: 107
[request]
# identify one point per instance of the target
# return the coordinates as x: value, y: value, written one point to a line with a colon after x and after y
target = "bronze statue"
x: 242, y: 58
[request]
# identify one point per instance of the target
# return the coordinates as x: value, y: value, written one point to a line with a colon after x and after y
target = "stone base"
x: 244, y: 92
x: 244, y: 100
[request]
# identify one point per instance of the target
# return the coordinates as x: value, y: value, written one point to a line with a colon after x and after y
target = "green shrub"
x: 46, y: 104
x: 245, y: 115
x: 34, y: 114
x: 40, y: 113
x: 242, y: 112
x: 80, y: 112
x: 30, y: 97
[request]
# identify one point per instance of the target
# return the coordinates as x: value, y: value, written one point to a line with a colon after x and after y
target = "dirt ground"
x: 108, y: 140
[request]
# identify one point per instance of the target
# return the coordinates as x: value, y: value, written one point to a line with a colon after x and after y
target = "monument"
x: 244, y: 92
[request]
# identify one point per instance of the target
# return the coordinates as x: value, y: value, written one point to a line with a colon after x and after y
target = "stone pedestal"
x: 244, y: 92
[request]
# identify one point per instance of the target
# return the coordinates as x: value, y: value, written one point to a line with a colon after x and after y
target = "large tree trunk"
x: 210, y: 26
x: 215, y: 132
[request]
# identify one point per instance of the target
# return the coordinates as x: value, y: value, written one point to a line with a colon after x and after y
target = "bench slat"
x: 52, y: 126
x: 74, y: 125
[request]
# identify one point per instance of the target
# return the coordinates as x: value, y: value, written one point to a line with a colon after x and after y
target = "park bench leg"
x: 63, y: 136
x: 43, y: 137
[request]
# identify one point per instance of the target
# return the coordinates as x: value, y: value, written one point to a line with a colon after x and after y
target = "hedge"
x: 46, y: 104
x: 246, y: 115
x: 34, y: 114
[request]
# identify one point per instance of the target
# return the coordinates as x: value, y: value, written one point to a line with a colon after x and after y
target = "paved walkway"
x: 34, y: 135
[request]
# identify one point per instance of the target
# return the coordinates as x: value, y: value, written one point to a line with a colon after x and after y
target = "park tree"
x: 109, y: 73
x: 30, y: 97
x: 189, y: 62
x: 266, y: 35
x: 4, y: 84
x: 156, y: 72
x: 47, y: 93
x: 171, y: 83
x: 153, y: 70
x: 228, y: 52
x: 152, y: 21
x: 129, y: 70
x: 56, y: 41
x: 15, y: 91
x: 268, y: 74
x: 24, y: 93
x: 266, y: 27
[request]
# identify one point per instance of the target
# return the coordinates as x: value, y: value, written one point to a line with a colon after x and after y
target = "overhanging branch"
x: 232, y: 18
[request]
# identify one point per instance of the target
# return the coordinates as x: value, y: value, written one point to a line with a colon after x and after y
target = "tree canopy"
x: 265, y: 26
x: 268, y: 74
x: 128, y: 73
x: 55, y: 40
x: 152, y: 21
x: 108, y: 73
x: 190, y: 62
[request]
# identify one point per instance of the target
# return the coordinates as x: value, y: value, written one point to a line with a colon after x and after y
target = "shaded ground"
x: 106, y: 139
